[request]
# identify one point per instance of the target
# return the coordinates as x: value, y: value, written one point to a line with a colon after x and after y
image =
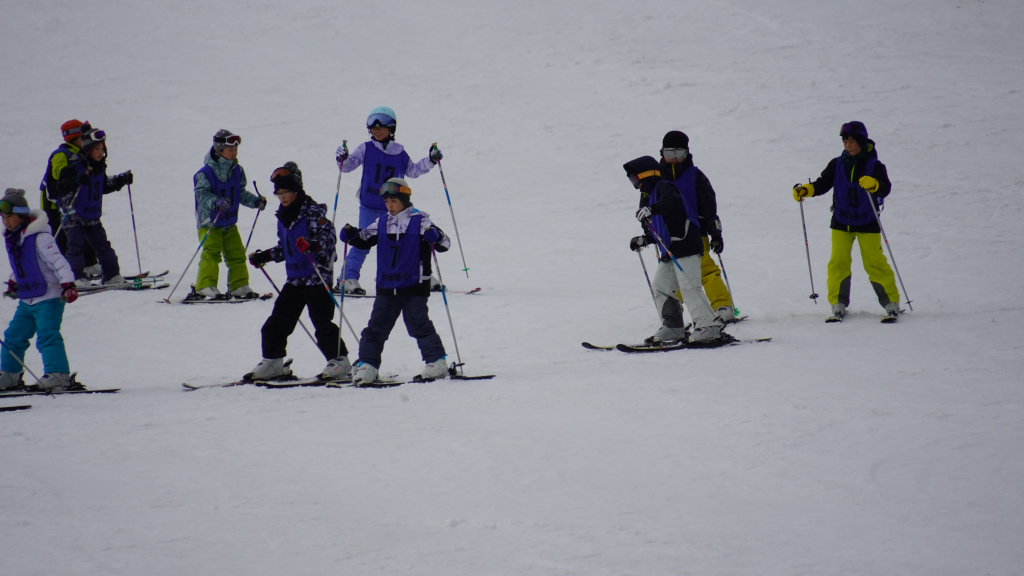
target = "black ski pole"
x: 336, y: 305
x: 878, y: 218
x: 131, y: 206
x: 447, y: 309
x: 807, y: 246
x: 256, y: 219
x: 450, y: 209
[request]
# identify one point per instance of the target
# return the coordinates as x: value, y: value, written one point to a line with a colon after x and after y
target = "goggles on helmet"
x: 280, y: 172
x: 233, y: 140
x: 96, y: 136
x: 7, y: 208
x: 675, y: 154
x: 394, y: 188
x: 379, y: 120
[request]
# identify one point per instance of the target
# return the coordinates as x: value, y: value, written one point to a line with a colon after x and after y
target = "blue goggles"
x: 379, y: 120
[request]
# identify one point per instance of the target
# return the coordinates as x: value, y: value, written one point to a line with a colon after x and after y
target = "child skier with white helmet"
x: 306, y: 244
x: 43, y: 282
x: 405, y: 240
x: 219, y: 188
x: 384, y: 158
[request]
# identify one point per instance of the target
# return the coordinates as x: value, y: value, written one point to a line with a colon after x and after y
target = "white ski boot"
x: 268, y: 369
x: 10, y: 381
x: 93, y: 271
x: 82, y: 283
x: 54, y: 382
x: 352, y: 287
x: 435, y: 285
x: 726, y: 314
x: 338, y: 370
x: 208, y: 292
x: 364, y: 374
x: 838, y: 312
x: 435, y: 370
x: 244, y: 293
x: 667, y: 334
x: 115, y: 280
x: 892, y: 310
x: 706, y: 334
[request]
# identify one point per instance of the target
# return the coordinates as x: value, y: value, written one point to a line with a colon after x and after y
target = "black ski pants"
x: 386, y: 310
x: 79, y: 238
x: 287, y: 309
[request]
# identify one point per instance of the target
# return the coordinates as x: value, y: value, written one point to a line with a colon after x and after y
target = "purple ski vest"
x: 687, y: 186
x: 296, y: 264
x: 232, y: 190
x: 398, y: 261
x: 851, y: 203
x: 378, y: 168
x: 89, y: 201
x: 30, y: 279
x: 49, y: 186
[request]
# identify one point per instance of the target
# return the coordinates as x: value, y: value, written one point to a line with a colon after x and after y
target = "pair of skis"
x: 682, y: 344
x: 291, y: 381
x: 143, y: 281
x: 75, y: 388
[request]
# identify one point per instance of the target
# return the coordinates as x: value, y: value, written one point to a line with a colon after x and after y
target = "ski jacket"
x: 668, y: 203
x: 205, y: 196
x: 79, y: 200
x: 827, y: 180
x: 396, y: 227
x: 312, y: 221
x: 707, y: 201
x: 373, y: 176
x: 54, y: 269
x: 48, y: 194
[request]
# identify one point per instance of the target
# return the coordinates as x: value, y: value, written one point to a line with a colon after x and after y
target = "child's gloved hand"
x: 68, y: 292
x: 868, y: 183
x: 12, y: 290
x: 222, y: 204
x: 305, y: 245
x: 261, y: 203
x: 637, y: 243
x: 260, y: 258
x: 341, y: 154
x: 348, y: 232
x: 435, y: 153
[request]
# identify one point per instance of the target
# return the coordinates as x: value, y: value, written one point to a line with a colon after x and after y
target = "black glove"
x: 637, y: 243
x: 83, y: 177
x: 121, y: 179
x: 260, y: 258
x: 12, y: 290
x: 717, y: 244
x: 261, y: 203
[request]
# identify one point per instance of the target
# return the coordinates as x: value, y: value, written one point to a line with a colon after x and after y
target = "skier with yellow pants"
x: 860, y: 184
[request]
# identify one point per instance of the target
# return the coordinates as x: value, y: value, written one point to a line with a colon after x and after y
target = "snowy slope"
x: 857, y: 448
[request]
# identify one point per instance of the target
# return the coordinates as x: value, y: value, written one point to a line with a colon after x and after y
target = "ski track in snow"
x: 855, y: 448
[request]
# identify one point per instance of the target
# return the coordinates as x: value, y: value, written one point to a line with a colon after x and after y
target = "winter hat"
x: 397, y: 188
x: 856, y: 130
x: 288, y: 177
x: 71, y: 129
x: 675, y: 139
x: 14, y: 202
x: 91, y: 136
x: 641, y: 166
x: 224, y: 138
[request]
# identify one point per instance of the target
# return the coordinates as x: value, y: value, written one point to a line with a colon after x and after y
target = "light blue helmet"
x: 382, y: 116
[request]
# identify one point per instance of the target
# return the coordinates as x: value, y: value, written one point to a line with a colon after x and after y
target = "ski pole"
x: 331, y: 294
x: 807, y: 247
x: 201, y: 242
x: 68, y: 213
x: 337, y: 190
x: 729, y: 288
x: 131, y: 206
x: 279, y: 293
x: 878, y: 218
x: 341, y: 305
x: 649, y: 285
x: 256, y: 219
x: 450, y: 209
x: 676, y: 262
x: 446, y: 308
x: 23, y: 365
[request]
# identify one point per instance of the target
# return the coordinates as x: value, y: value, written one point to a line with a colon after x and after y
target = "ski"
x: 307, y: 382
x: 14, y: 408
x: 590, y: 346
x: 216, y: 300
x: 833, y: 319
x: 25, y: 392
x: 125, y: 287
x: 726, y: 340
x: 337, y: 292
x: 246, y: 379
x: 473, y: 291
x: 390, y: 383
x: 889, y: 319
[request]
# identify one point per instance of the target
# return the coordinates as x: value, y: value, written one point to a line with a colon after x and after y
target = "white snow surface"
x: 853, y: 448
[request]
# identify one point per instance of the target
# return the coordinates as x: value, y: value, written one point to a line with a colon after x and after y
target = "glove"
x: 261, y: 203
x: 348, y: 232
x: 637, y: 243
x: 222, y: 204
x: 12, y: 290
x: 341, y: 154
x: 83, y: 177
x: 434, y: 235
x: 68, y: 292
x: 717, y: 244
x: 868, y: 183
x: 123, y: 178
x: 435, y: 154
x: 644, y: 214
x: 305, y: 245
x: 260, y: 258
x: 801, y: 191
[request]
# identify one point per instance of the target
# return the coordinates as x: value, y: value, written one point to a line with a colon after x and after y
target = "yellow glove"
x: 868, y: 183
x: 801, y: 191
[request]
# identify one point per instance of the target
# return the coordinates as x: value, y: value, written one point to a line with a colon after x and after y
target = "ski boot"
x: 56, y: 382
x: 706, y: 334
x: 666, y: 335
x: 352, y: 287
x: 10, y: 381
x: 838, y: 313
x: 338, y: 370
x: 726, y: 314
x: 892, y: 311
x: 244, y: 293
x: 435, y: 370
x: 269, y: 369
x: 364, y: 374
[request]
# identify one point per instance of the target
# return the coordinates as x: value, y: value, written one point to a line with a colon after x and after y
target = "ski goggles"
x: 636, y: 178
x: 7, y: 208
x: 233, y: 140
x: 382, y: 120
x: 394, y: 188
x: 853, y: 129
x: 675, y: 154
x: 95, y: 136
